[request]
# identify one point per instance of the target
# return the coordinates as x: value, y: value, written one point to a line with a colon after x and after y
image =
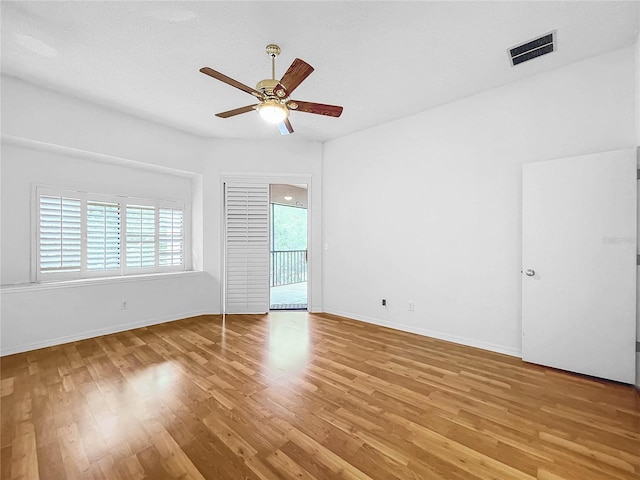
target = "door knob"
x: 530, y: 273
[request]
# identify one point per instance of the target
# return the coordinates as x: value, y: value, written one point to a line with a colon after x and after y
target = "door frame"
x: 272, y: 233
x: 267, y: 178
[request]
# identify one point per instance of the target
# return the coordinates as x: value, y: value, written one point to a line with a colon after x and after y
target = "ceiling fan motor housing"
x: 266, y: 86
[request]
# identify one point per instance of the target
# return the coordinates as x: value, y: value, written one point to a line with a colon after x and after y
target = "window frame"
x: 123, y: 201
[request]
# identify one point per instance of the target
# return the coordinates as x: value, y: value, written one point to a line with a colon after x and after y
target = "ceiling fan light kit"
x: 272, y: 111
x: 275, y: 101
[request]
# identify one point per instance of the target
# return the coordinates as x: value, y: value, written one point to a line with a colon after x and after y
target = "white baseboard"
x: 99, y: 332
x: 470, y: 342
x: 155, y: 321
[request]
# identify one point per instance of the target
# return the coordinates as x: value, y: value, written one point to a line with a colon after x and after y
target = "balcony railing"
x: 288, y: 266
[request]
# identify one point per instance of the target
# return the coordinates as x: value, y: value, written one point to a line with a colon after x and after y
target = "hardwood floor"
x: 293, y: 395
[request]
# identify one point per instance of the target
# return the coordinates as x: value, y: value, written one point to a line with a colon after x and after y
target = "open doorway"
x: 288, y: 247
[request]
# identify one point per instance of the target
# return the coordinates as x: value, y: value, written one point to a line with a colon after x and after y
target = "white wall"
x: 34, y: 317
x: 428, y: 208
x: 275, y: 161
x: 57, y: 140
x: 442, y: 186
x: 637, y: 130
x: 24, y: 167
x: 36, y: 113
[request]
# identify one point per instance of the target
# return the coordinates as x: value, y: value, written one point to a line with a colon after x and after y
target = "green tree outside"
x: 289, y: 227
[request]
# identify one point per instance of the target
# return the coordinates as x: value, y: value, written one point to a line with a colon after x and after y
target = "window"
x: 60, y: 234
x: 170, y: 231
x: 83, y: 235
x: 103, y: 236
x: 141, y: 236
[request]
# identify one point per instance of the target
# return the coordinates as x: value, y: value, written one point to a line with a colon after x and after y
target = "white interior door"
x: 246, y: 253
x: 579, y: 264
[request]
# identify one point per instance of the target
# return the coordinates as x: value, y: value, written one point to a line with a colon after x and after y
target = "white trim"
x: 100, y: 331
x: 34, y: 233
x: 89, y: 282
x: 223, y: 249
x: 96, y: 157
x: 265, y: 177
x: 470, y: 342
x: 109, y: 196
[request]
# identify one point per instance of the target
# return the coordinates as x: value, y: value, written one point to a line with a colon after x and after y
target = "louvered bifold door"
x: 246, y: 248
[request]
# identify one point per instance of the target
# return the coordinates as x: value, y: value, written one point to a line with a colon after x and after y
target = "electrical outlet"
x: 124, y: 305
x: 384, y: 302
x: 412, y: 306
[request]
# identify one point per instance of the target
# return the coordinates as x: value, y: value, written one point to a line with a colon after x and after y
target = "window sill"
x: 87, y: 282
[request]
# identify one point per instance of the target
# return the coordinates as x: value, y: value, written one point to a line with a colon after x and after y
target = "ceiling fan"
x: 275, y: 96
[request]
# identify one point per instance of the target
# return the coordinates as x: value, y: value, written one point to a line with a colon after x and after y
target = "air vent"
x: 533, y: 48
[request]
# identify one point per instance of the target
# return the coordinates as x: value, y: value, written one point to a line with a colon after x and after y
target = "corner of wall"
x: 637, y: 130
x: 637, y: 126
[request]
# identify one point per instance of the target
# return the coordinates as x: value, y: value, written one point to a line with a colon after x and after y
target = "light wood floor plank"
x: 296, y: 395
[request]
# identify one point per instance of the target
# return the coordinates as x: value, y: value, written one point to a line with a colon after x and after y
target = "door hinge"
x: 639, y: 174
x: 637, y: 259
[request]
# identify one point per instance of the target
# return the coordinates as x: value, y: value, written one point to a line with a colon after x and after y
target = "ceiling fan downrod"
x: 273, y: 51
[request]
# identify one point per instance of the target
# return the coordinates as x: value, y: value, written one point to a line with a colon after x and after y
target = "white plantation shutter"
x: 170, y: 237
x: 83, y: 235
x: 247, y: 248
x: 60, y: 233
x: 103, y: 236
x: 141, y: 236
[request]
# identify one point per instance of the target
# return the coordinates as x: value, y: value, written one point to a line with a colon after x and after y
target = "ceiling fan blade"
x: 231, y: 81
x: 237, y: 111
x: 285, y: 127
x: 317, y: 108
x: 297, y: 72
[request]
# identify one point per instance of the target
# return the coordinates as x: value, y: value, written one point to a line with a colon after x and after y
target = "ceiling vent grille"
x: 533, y: 48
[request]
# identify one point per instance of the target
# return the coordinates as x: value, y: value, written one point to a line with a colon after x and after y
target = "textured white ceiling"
x: 380, y: 60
